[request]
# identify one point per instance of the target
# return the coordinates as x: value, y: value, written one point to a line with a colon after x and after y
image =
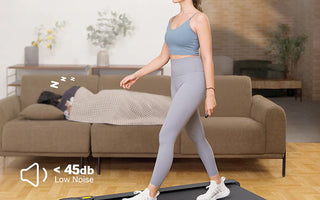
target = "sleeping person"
x: 113, y: 106
x: 62, y: 102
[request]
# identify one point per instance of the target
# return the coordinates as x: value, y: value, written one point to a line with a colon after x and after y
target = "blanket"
x: 119, y: 107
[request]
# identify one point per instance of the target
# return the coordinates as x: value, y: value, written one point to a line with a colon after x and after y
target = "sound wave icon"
x: 37, y: 172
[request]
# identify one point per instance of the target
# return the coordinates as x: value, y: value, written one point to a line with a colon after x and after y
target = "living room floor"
x: 260, y: 176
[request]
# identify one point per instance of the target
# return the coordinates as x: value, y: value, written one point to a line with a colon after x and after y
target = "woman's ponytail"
x: 197, y: 4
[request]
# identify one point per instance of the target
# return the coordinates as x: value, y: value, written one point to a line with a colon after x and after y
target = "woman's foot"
x: 143, y: 195
x: 215, y: 191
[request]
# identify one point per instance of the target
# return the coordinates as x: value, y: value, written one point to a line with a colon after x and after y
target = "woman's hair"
x: 47, y: 97
x: 197, y: 4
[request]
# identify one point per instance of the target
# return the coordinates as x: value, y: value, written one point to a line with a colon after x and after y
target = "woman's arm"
x: 156, y: 63
x: 204, y: 34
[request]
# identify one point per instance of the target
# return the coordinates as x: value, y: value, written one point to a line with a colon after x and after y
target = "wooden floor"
x: 260, y: 176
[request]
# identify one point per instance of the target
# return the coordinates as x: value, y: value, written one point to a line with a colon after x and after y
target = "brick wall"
x: 303, y: 24
x: 307, y: 20
x: 316, y: 51
x: 239, y: 30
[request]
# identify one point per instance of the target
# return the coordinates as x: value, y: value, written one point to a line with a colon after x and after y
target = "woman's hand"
x: 210, y: 103
x: 129, y: 80
x: 69, y: 105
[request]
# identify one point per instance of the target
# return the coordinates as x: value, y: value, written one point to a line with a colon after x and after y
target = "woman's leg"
x: 184, y: 102
x: 196, y: 132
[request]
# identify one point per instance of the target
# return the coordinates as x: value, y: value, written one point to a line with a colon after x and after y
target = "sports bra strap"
x: 187, y: 20
x: 193, y: 15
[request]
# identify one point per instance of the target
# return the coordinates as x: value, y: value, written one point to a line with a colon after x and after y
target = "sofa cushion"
x: 33, y: 85
x: 41, y: 111
x: 107, y: 138
x: 233, y: 96
x: 45, y: 136
x: 154, y: 84
x: 229, y: 135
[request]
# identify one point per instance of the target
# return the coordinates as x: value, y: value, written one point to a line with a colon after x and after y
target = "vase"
x: 289, y: 74
x: 31, y: 55
x: 103, y: 58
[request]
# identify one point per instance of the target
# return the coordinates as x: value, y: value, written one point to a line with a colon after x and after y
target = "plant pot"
x: 31, y: 55
x: 290, y: 75
x: 103, y: 58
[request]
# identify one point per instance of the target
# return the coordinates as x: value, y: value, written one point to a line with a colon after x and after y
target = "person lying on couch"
x: 61, y: 102
x: 113, y: 106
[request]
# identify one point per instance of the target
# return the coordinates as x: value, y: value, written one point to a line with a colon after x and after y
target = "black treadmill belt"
x: 184, y: 192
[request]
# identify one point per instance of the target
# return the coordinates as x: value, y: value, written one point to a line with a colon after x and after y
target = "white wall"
x: 18, y: 18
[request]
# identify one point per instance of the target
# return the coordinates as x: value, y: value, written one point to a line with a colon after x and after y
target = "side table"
x: 258, y: 83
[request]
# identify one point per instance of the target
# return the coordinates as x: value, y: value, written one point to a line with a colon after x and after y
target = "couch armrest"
x: 273, y: 117
x: 9, y: 109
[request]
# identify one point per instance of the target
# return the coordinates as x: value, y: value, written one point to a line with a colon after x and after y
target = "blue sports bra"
x: 182, y: 40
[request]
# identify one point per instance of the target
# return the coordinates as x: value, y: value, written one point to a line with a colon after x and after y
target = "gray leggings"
x: 187, y: 91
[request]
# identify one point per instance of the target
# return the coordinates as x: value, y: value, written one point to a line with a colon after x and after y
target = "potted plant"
x: 43, y: 36
x: 287, y: 49
x: 106, y: 31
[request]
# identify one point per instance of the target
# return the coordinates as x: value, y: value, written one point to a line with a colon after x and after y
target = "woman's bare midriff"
x: 180, y: 56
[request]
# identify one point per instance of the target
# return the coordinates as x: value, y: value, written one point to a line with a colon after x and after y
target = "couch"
x: 242, y: 125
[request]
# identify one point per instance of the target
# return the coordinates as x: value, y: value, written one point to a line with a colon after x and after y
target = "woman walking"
x: 192, y: 79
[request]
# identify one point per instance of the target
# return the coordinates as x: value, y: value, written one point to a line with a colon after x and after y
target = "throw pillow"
x: 39, y: 111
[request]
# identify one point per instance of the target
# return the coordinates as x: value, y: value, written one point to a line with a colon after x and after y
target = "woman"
x: 124, y: 107
x: 62, y: 102
x: 192, y: 79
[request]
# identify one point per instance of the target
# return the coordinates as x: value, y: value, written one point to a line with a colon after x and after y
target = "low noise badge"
x: 36, y: 165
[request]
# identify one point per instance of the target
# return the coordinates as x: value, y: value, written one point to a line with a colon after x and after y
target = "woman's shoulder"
x: 74, y: 88
x: 71, y: 90
x: 201, y: 17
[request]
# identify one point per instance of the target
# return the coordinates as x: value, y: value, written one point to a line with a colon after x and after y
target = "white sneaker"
x: 216, y: 191
x: 143, y: 195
